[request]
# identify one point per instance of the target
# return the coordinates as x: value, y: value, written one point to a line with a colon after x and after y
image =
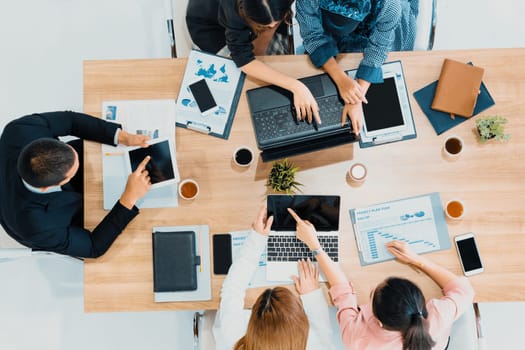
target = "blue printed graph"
x: 377, y: 240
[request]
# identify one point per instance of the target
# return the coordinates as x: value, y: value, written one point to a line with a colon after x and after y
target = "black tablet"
x: 160, y: 167
x: 383, y: 113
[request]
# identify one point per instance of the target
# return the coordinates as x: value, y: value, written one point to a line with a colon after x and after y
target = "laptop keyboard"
x: 278, y: 123
x: 289, y: 248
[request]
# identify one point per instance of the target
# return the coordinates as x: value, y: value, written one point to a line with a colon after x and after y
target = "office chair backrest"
x: 426, y: 25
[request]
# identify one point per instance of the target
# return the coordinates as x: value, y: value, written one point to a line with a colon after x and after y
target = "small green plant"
x: 282, y: 177
x: 492, y: 127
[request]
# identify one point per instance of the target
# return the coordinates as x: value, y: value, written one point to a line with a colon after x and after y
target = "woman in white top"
x: 279, y: 319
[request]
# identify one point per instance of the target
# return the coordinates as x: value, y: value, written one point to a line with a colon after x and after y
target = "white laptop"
x: 284, y: 249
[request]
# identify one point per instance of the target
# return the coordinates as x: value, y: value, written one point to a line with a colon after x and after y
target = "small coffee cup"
x: 453, y: 146
x: 357, y: 172
x: 243, y: 156
x: 188, y: 189
x: 455, y: 209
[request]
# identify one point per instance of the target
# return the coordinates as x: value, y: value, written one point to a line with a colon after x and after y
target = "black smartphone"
x: 468, y: 254
x: 222, y: 253
x: 202, y: 94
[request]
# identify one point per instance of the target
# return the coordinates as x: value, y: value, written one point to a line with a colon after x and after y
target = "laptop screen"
x: 321, y: 211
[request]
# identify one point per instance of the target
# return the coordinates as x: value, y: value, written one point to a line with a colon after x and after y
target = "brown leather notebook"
x: 457, y: 88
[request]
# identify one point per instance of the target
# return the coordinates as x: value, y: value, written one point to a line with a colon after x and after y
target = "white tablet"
x: 160, y: 167
x: 383, y: 114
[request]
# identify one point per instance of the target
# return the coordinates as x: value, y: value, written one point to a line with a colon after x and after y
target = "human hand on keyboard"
x: 305, y: 104
x: 356, y: 115
x: 262, y: 223
x: 308, y: 279
x: 305, y: 231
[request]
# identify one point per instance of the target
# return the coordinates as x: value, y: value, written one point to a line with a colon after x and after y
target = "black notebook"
x: 174, y: 261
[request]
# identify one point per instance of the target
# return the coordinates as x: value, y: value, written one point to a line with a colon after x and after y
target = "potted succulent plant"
x: 492, y: 127
x: 282, y: 177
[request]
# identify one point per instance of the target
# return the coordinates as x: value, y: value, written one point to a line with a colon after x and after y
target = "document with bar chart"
x: 418, y: 221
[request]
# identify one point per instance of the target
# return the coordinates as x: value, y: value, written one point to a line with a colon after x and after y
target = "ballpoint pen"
x: 171, y: 33
x: 171, y: 30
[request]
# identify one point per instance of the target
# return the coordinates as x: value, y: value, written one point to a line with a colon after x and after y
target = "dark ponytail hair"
x: 266, y: 11
x: 400, y: 306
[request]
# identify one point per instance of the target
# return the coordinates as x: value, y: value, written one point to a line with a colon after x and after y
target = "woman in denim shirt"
x: 373, y: 27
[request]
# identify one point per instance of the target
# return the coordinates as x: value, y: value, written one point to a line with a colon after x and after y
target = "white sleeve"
x: 316, y: 309
x: 228, y: 327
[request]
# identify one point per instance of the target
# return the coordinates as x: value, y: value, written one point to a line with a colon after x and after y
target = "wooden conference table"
x: 489, y: 178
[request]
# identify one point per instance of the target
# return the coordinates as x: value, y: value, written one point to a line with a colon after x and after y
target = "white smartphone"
x: 468, y: 254
x: 202, y: 94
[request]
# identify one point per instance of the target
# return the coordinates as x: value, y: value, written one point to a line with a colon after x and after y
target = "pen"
x: 171, y: 33
x: 200, y: 250
x: 168, y: 7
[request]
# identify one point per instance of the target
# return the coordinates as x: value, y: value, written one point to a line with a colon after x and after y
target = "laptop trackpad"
x: 315, y: 85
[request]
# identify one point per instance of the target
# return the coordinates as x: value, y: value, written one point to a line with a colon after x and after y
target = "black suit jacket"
x: 53, y: 221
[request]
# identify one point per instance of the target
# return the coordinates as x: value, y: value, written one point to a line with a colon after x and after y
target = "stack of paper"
x: 155, y: 118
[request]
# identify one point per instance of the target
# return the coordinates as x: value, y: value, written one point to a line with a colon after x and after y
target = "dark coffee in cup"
x: 243, y: 156
x: 453, y: 145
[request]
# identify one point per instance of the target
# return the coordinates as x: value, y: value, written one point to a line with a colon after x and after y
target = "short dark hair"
x: 266, y: 11
x: 400, y: 306
x: 45, y: 162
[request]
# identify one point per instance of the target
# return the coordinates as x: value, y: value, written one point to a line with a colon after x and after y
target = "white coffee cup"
x: 357, y: 172
x: 243, y: 156
x: 188, y: 189
x: 453, y: 146
x: 455, y: 209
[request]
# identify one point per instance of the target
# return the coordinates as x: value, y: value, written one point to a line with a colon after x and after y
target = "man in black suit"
x: 41, y: 194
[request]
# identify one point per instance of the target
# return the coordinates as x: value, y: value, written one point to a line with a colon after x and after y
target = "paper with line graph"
x: 411, y: 220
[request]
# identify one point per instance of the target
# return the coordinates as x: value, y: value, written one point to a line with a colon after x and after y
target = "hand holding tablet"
x: 138, y: 184
x: 160, y: 166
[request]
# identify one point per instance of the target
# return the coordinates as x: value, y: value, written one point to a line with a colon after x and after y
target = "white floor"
x: 43, y: 44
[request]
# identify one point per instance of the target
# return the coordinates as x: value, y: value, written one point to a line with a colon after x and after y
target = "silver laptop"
x: 284, y: 249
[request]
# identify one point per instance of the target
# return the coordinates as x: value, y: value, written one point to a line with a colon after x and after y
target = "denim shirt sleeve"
x: 380, y: 42
x: 319, y: 45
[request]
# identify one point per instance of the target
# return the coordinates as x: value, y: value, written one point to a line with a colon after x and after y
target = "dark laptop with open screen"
x: 387, y: 116
x: 277, y: 131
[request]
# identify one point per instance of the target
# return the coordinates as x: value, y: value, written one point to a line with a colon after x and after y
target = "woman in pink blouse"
x: 398, y: 316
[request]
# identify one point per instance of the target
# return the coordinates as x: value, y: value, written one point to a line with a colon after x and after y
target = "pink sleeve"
x: 344, y: 298
x: 458, y: 294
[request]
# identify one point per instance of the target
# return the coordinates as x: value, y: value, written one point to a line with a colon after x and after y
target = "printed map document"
x: 418, y: 221
x: 224, y: 81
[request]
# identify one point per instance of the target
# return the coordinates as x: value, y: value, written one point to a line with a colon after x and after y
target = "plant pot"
x: 490, y: 136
